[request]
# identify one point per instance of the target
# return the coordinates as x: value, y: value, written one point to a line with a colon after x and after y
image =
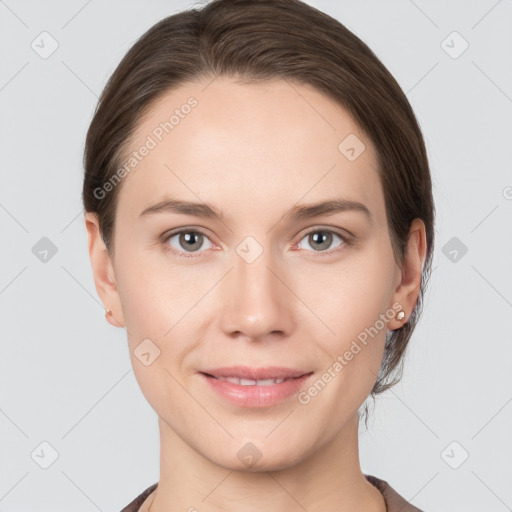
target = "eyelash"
x: 166, y: 247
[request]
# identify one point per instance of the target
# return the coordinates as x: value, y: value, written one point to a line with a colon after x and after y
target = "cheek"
x: 160, y: 304
x: 351, y: 296
x: 153, y: 293
x: 155, y: 300
x: 353, y: 302
x: 353, y: 306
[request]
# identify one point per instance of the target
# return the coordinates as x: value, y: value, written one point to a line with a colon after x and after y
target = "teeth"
x: 251, y: 382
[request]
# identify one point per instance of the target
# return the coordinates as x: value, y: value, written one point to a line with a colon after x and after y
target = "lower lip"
x: 256, y: 396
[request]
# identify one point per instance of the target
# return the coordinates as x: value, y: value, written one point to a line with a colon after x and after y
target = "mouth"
x: 255, y: 387
x: 255, y: 373
x: 252, y: 382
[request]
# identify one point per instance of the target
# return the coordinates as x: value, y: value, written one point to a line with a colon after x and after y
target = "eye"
x: 321, y: 240
x: 185, y: 241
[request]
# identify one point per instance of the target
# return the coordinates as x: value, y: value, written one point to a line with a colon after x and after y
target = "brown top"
x: 394, y: 502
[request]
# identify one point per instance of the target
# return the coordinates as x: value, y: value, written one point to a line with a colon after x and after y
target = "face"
x: 252, y: 277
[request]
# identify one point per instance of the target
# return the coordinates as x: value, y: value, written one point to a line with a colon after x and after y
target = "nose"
x: 257, y: 301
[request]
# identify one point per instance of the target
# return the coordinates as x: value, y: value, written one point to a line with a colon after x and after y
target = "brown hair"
x: 258, y: 40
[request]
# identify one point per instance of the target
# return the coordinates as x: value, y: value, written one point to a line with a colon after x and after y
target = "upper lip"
x: 246, y: 372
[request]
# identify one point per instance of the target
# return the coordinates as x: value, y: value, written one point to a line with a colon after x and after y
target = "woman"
x: 228, y: 143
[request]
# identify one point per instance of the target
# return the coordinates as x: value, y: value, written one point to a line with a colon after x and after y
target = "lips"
x: 244, y: 386
x: 245, y: 375
x: 252, y: 382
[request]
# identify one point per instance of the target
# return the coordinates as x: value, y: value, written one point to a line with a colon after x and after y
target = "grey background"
x: 65, y: 373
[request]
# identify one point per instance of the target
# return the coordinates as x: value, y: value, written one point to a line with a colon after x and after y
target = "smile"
x: 252, y: 382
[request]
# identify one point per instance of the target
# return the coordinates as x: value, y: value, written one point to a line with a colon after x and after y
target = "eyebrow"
x: 298, y: 212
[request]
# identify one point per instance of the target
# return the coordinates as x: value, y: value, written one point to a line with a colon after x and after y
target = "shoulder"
x: 394, y: 501
x: 139, y: 500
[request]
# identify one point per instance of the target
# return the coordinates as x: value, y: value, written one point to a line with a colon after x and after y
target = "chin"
x: 258, y: 455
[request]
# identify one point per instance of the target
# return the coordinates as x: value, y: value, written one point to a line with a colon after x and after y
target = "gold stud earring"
x: 400, y: 315
x: 108, y: 312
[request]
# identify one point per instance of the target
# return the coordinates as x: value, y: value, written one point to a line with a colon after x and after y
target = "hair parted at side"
x: 258, y: 40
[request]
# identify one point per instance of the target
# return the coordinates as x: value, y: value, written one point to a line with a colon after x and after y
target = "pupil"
x: 189, y: 239
x: 322, y: 238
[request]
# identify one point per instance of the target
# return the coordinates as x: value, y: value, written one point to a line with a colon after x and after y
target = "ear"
x: 408, y: 289
x: 103, y: 271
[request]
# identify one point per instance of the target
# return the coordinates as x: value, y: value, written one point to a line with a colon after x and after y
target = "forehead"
x: 249, y: 147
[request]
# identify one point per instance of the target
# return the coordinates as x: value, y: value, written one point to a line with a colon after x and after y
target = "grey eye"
x: 320, y: 240
x: 189, y: 241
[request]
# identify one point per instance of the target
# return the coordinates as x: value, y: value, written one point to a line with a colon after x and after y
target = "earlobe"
x: 408, y: 290
x: 109, y: 316
x: 103, y: 271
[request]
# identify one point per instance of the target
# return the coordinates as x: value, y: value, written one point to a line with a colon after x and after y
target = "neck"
x: 329, y: 479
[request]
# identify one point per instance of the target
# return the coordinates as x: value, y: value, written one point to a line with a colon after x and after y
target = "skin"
x: 254, y: 151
